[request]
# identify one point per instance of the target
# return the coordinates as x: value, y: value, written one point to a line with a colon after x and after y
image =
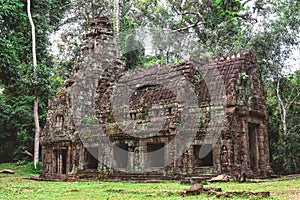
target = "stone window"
x: 203, y: 155
x: 156, y: 154
x: 60, y: 156
x: 133, y: 116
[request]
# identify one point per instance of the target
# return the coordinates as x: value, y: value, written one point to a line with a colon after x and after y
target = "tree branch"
x: 282, y: 109
x: 298, y: 125
x: 247, y: 1
x: 246, y: 18
x: 187, y: 27
x: 292, y: 101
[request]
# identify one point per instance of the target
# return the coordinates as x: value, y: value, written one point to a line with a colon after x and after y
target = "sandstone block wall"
x: 150, y: 118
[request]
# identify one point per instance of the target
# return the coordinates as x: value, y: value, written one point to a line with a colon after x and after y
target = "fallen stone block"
x: 7, y: 171
x: 220, y: 178
x: 193, y: 190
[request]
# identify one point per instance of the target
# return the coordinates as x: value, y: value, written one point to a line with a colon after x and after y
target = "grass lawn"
x: 17, y: 186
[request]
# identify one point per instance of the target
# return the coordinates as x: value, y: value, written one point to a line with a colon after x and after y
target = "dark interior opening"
x: 156, y: 154
x: 121, y: 155
x: 170, y: 111
x: 60, y: 161
x: 252, y: 131
x: 203, y: 155
x: 92, y: 158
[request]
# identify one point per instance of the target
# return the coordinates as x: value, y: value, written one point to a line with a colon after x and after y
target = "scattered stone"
x: 216, y: 189
x: 194, y: 190
x: 198, y: 189
x: 7, y: 171
x: 242, y: 178
x: 220, y: 178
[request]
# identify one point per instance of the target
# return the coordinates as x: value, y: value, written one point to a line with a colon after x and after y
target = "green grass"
x: 18, y: 186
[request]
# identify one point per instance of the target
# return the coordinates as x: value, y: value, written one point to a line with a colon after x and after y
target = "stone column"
x: 261, y: 148
x: 245, y: 155
x: 266, y: 146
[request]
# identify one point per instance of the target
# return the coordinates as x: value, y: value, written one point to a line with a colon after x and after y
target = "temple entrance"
x: 121, y: 155
x: 253, y: 146
x: 203, y: 156
x: 60, y: 161
x: 156, y: 154
x: 92, y: 158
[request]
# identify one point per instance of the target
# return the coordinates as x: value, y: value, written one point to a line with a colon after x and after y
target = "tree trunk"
x: 36, y: 102
x: 118, y: 11
x: 282, y: 108
x: 284, y: 121
x: 37, y: 128
x: 118, y: 14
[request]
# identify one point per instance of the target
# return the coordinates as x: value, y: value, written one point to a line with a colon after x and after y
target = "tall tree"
x: 36, y: 92
x: 284, y: 102
x: 17, y: 73
x: 273, y: 43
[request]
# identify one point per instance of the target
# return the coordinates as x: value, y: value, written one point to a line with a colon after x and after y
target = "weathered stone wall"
x: 154, y: 110
x: 72, y: 99
x: 245, y: 104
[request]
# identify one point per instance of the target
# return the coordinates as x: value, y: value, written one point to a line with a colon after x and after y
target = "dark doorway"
x: 60, y: 161
x: 121, y: 155
x: 92, y: 158
x: 203, y: 155
x: 156, y: 154
x: 253, y: 132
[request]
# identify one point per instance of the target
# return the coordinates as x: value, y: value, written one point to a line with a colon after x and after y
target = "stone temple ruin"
x: 151, y: 124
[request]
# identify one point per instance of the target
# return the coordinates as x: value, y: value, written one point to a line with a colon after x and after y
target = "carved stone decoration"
x: 224, y: 156
x: 65, y: 155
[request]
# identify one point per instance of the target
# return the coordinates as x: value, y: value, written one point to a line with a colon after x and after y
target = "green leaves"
x: 8, y: 7
x: 16, y: 70
x: 285, y: 146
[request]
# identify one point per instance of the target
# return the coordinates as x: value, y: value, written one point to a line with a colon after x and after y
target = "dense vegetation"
x: 267, y: 27
x: 16, y: 69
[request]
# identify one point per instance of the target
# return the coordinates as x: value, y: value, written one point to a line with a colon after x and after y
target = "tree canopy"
x: 16, y: 69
